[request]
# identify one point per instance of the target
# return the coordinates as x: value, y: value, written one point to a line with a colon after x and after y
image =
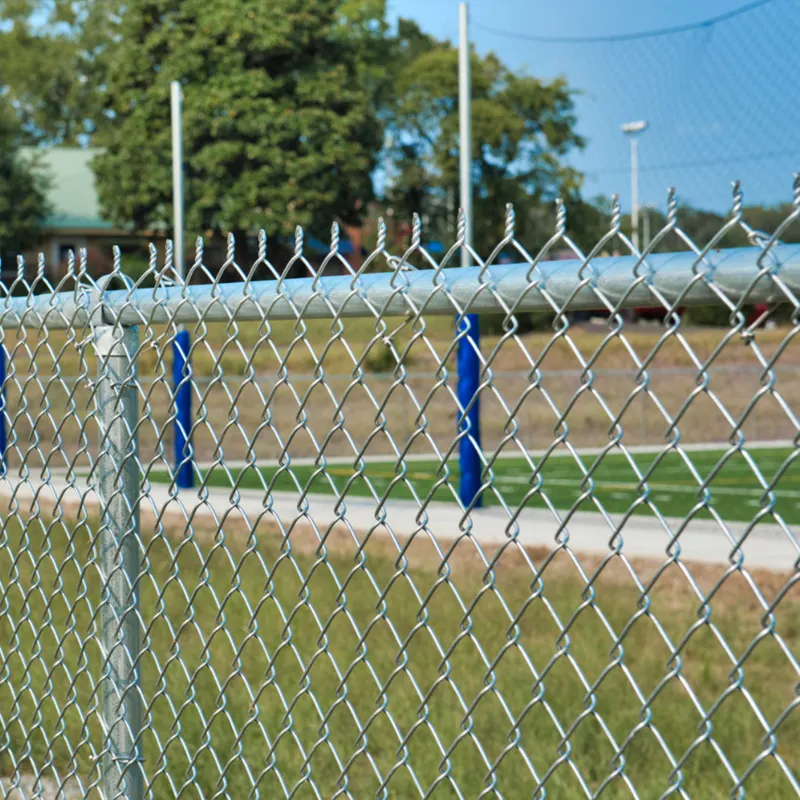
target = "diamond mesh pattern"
x: 322, y: 615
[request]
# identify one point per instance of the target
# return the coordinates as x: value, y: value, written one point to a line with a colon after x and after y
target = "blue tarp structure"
x: 345, y: 245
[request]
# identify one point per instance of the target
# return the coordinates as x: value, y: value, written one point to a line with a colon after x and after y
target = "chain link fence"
x: 318, y: 608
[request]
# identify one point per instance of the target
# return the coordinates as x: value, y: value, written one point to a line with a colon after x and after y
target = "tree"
x: 701, y: 226
x: 53, y: 61
x: 23, y: 188
x: 522, y: 128
x: 280, y: 127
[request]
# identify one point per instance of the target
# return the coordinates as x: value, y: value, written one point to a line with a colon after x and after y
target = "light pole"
x: 633, y: 130
x: 464, y: 129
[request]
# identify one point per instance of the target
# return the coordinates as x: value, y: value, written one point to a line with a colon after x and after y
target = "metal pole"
x: 635, y: 191
x: 176, y: 98
x: 405, y: 412
x: 469, y: 366
x: 118, y: 481
x: 465, y: 129
x: 181, y: 344
x: 3, y: 428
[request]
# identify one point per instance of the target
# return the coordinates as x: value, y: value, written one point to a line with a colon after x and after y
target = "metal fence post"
x: 182, y: 383
x: 469, y: 370
x: 118, y: 481
x: 3, y: 428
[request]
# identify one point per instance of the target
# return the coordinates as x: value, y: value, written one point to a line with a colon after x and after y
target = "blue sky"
x: 721, y: 100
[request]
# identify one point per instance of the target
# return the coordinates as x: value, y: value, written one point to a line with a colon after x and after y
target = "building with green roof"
x: 76, y: 220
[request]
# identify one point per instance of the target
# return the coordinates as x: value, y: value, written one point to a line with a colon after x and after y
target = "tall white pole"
x: 181, y: 344
x: 176, y: 98
x: 468, y: 359
x: 635, y: 191
x: 465, y: 146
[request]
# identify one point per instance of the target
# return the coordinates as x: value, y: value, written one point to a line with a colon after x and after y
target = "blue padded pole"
x: 182, y: 381
x: 469, y: 447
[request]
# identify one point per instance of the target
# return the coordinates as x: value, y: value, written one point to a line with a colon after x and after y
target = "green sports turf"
x: 734, y: 491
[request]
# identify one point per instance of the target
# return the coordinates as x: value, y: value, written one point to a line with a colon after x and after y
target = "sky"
x: 721, y: 100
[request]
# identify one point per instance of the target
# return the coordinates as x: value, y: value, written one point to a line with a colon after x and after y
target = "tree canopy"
x: 53, y: 63
x: 701, y: 226
x: 522, y: 128
x: 287, y: 113
x: 280, y: 127
x: 23, y: 188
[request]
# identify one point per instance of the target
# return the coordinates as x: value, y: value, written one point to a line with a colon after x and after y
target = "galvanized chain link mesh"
x: 321, y: 616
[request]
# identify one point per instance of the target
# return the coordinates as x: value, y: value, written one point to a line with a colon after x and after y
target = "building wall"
x: 56, y: 248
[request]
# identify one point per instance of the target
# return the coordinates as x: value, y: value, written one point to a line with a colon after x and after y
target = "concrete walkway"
x: 766, y: 546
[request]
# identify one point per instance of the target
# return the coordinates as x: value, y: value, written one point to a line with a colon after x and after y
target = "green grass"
x: 672, y: 482
x: 234, y: 635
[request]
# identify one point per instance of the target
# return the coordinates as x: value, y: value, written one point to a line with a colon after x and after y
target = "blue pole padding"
x: 469, y: 447
x: 3, y: 429
x: 182, y: 381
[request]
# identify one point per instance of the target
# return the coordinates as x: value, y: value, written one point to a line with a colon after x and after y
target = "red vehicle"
x: 758, y: 310
x: 654, y: 313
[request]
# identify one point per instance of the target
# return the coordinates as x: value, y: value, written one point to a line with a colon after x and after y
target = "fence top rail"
x: 682, y: 277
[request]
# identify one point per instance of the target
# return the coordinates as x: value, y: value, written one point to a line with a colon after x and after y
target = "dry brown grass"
x: 229, y: 347
x: 232, y: 416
